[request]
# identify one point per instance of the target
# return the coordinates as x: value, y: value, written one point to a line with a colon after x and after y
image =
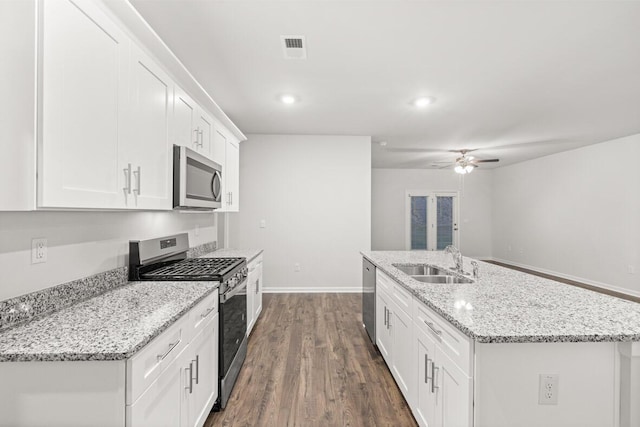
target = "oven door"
x: 233, y: 324
x: 197, y: 182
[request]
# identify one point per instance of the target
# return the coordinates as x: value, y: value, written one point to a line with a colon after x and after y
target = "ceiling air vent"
x: 294, y: 47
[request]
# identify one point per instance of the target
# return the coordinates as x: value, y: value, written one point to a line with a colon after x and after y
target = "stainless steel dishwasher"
x: 369, y: 298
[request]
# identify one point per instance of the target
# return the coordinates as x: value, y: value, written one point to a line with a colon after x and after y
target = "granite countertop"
x: 110, y: 326
x: 249, y: 254
x: 507, y: 306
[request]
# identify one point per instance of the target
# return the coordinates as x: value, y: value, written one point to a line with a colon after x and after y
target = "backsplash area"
x: 84, y: 244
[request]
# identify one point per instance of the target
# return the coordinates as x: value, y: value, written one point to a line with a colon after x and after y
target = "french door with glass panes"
x: 431, y: 220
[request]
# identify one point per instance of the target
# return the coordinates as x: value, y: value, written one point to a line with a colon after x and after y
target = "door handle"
x: 426, y: 369
x: 138, y: 174
x: 127, y: 179
x: 190, y: 386
x: 434, y: 369
x: 197, y: 362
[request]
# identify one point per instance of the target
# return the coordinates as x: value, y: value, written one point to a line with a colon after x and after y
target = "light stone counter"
x: 110, y: 326
x: 507, y: 306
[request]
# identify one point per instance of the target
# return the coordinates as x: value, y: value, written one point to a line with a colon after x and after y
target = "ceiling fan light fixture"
x: 463, y: 169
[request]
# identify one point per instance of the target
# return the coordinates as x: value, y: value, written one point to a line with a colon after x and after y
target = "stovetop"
x: 193, y: 269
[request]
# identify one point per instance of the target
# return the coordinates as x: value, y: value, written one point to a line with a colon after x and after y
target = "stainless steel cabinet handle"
x: 385, y: 316
x: 190, y: 386
x: 434, y: 377
x: 171, y: 347
x: 137, y: 173
x: 201, y: 138
x: 197, y: 132
x: 197, y: 362
x: 435, y: 331
x: 127, y: 179
x: 257, y: 286
x: 389, y: 319
x: 426, y: 369
x: 206, y: 313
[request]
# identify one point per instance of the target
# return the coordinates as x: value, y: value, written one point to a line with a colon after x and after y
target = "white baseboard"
x: 601, y: 285
x: 310, y: 290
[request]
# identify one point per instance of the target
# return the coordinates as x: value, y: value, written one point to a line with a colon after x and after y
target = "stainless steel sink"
x: 441, y: 279
x: 421, y: 270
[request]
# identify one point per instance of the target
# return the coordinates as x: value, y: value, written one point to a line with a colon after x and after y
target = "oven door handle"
x: 227, y: 296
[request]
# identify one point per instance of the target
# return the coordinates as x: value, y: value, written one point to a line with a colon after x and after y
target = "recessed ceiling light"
x: 288, y: 99
x: 424, y: 101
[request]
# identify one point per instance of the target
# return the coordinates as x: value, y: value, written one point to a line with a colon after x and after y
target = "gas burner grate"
x: 195, y: 267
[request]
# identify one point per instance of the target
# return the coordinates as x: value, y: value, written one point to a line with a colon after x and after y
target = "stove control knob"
x: 232, y: 282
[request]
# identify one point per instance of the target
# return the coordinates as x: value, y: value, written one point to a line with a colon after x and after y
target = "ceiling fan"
x: 464, y: 164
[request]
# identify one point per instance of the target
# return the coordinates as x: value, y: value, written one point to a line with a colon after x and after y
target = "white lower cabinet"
x: 254, y: 292
x: 394, y: 337
x: 428, y: 358
x: 170, y: 382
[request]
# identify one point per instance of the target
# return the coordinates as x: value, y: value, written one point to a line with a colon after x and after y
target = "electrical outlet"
x: 296, y: 266
x: 548, y: 389
x: 631, y: 269
x: 263, y: 223
x: 38, y: 251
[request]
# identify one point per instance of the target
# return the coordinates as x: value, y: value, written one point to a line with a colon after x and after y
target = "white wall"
x: 388, y: 216
x: 575, y: 214
x: 83, y: 243
x: 314, y: 192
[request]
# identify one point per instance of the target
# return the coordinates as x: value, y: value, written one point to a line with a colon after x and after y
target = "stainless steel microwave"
x: 197, y: 180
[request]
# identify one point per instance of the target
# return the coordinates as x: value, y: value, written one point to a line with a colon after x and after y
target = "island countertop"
x: 508, y: 306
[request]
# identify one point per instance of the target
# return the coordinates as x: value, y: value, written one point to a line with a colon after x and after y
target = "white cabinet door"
x: 149, y: 149
x: 383, y: 331
x: 219, y: 148
x: 161, y: 404
x: 257, y: 297
x: 231, y: 172
x: 251, y: 291
x: 453, y: 393
x: 84, y: 94
x: 204, y: 359
x: 424, y: 352
x: 185, y: 115
x: 205, y: 132
x: 402, y: 367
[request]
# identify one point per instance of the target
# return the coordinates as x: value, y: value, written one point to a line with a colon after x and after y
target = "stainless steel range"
x: 165, y: 259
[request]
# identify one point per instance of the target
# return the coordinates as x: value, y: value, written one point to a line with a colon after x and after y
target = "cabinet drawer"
x: 255, y: 269
x: 383, y: 282
x: 398, y: 294
x: 200, y: 315
x: 147, y: 364
x: 454, y: 343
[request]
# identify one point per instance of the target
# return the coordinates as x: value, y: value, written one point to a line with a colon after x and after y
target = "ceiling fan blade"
x: 463, y: 150
x: 485, y: 160
x: 440, y: 166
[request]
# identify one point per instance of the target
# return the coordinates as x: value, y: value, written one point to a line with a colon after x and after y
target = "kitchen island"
x: 507, y: 344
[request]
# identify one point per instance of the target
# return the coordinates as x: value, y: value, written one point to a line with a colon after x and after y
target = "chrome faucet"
x: 474, y: 264
x: 457, y: 257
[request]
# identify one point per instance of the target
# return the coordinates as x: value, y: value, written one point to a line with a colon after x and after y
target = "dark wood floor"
x: 310, y: 363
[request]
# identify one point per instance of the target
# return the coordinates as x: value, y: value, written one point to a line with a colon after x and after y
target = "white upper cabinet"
x: 185, y: 112
x: 231, y: 173
x: 106, y: 109
x: 205, y: 132
x: 83, y: 97
x: 219, y: 146
x: 17, y: 111
x: 148, y: 148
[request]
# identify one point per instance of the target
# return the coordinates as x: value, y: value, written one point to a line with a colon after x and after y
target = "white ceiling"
x: 518, y: 79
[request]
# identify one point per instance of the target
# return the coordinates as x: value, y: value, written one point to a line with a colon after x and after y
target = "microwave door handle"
x: 216, y: 176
